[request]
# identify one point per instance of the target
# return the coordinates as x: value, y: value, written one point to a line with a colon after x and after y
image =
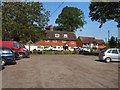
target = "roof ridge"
x: 59, y: 31
x: 98, y: 39
x: 86, y: 36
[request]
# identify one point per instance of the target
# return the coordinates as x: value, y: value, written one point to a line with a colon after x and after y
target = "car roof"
x: 112, y: 48
x: 106, y: 49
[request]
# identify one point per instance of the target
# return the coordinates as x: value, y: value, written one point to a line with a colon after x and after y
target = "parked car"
x: 7, y: 56
x: 16, y: 47
x: 26, y: 51
x: 2, y: 63
x: 82, y: 51
x: 111, y: 54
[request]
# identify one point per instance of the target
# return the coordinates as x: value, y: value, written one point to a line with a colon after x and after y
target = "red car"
x: 16, y: 47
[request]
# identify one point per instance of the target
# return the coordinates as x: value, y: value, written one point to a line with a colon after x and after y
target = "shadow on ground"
x: 99, y: 61
x: 106, y: 62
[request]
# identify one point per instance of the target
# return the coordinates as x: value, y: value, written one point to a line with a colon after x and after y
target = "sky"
x: 91, y: 29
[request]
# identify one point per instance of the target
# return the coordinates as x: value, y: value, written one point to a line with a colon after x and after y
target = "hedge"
x: 52, y: 52
x: 91, y: 53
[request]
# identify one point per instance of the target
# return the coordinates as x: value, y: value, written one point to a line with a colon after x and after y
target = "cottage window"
x: 46, y: 47
x: 58, y: 47
x: 57, y: 35
x: 54, y: 41
x: 54, y: 46
x: 46, y: 40
x: 63, y: 41
x: 40, y: 47
x: 65, y: 36
x: 72, y: 42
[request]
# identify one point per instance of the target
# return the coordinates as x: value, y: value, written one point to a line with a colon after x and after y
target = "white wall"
x: 41, y: 48
x: 59, y: 48
x: 32, y: 47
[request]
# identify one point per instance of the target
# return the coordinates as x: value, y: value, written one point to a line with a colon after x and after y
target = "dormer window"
x: 57, y: 35
x: 65, y: 36
x: 46, y: 40
x: 63, y: 41
x: 55, y: 41
x: 72, y: 42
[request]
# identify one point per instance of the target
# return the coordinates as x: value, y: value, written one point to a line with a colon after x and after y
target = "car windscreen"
x: 6, y: 51
x: 16, y: 45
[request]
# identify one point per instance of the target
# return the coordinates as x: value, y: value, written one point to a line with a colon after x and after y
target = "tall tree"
x: 104, y: 11
x: 113, y: 42
x: 70, y: 19
x: 118, y: 45
x: 22, y: 21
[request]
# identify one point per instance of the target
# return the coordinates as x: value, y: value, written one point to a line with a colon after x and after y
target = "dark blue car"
x: 7, y: 56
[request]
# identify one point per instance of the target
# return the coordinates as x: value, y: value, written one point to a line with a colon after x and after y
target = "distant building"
x: 90, y: 43
x: 62, y: 40
x: 100, y: 44
x: 57, y: 40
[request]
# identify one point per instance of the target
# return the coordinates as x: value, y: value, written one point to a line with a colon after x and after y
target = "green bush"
x: 39, y: 52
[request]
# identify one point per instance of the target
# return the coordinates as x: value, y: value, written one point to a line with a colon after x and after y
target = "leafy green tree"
x: 70, y: 19
x: 23, y: 21
x: 113, y: 42
x: 104, y: 11
x: 118, y: 46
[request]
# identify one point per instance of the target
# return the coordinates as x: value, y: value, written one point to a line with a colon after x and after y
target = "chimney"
x: 51, y: 28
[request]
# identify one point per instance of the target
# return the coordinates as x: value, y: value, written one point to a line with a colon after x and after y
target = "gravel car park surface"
x: 60, y: 71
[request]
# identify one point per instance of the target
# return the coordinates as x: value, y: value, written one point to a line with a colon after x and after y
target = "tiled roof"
x: 51, y: 43
x: 87, y: 39
x: 99, y: 41
x: 50, y: 35
x: 91, y: 40
x: 101, y: 46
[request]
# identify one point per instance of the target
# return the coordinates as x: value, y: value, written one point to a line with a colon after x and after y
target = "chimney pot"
x: 51, y: 28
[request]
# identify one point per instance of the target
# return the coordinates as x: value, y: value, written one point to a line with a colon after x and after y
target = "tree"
x: 104, y: 11
x: 23, y: 21
x: 118, y: 45
x: 113, y: 42
x: 70, y: 19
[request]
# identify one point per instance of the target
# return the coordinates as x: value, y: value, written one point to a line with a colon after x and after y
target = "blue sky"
x: 91, y: 28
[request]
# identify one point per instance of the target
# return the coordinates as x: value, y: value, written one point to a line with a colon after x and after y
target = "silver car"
x: 111, y: 54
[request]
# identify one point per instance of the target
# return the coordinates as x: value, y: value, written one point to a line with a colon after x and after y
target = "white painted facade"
x: 32, y: 47
x: 90, y: 45
x: 41, y: 48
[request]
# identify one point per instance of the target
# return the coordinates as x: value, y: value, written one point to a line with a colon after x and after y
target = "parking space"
x: 60, y: 71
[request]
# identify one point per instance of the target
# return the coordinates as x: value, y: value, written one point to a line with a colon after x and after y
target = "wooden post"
x: 29, y: 46
x: 29, y: 42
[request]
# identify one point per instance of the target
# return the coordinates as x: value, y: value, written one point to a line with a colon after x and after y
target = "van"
x: 16, y: 47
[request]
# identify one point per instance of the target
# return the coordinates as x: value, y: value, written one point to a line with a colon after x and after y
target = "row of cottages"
x: 61, y: 40
x: 57, y: 40
x: 90, y: 43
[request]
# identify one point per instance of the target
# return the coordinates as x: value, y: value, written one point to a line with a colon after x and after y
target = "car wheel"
x: 21, y: 55
x: 108, y: 60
